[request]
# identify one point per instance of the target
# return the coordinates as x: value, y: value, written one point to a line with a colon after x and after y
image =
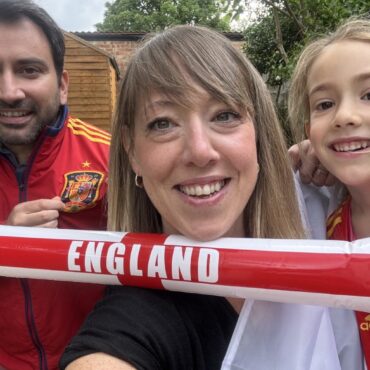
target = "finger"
x: 51, y: 224
x: 32, y: 219
x: 60, y: 205
x: 38, y: 205
x: 308, y: 169
x: 320, y: 176
x: 331, y: 180
x: 309, y: 164
x: 294, y: 155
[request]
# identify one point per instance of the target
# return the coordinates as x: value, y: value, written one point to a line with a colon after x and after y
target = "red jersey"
x: 37, y: 317
x: 339, y: 227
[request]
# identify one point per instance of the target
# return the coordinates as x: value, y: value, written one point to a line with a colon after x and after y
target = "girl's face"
x: 199, y: 164
x: 339, y: 97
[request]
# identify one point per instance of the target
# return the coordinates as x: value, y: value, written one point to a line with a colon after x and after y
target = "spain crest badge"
x: 81, y: 190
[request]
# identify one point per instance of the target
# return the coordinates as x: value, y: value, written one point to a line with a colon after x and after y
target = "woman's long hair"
x: 215, y: 65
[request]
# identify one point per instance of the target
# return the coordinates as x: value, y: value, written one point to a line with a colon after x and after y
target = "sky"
x: 75, y: 15
x: 82, y: 15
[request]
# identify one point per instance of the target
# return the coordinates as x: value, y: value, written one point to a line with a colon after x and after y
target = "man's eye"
x: 30, y: 71
x: 227, y: 116
x: 366, y: 96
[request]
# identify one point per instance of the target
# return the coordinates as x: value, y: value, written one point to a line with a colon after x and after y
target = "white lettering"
x: 208, y: 265
x: 156, y: 264
x: 181, y: 263
x: 115, y: 263
x: 134, y: 261
x: 93, y: 257
x: 73, y: 255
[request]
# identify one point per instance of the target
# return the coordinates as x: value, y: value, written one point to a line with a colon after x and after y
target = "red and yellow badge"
x: 81, y: 190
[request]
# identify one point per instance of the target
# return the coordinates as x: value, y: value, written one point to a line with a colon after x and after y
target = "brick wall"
x: 121, y: 45
x: 121, y: 50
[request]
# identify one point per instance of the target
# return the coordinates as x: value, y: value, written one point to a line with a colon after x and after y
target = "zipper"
x: 22, y: 172
x: 32, y: 326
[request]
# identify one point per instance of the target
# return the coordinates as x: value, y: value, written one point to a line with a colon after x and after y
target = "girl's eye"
x: 325, y: 105
x: 161, y: 124
x: 366, y: 96
x: 227, y: 117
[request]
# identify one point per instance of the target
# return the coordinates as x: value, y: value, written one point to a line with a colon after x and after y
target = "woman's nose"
x: 199, y: 148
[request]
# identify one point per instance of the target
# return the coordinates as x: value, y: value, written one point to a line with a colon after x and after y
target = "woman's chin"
x: 205, y: 235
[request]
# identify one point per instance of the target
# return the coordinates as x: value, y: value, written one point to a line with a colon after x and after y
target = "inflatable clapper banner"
x: 330, y: 273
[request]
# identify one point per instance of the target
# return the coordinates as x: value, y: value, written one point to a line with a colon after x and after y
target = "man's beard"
x: 26, y: 135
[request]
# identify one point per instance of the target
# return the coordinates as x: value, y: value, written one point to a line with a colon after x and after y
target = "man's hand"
x: 310, y: 169
x: 40, y: 213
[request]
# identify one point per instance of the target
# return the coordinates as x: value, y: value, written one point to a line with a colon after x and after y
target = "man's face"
x: 30, y: 93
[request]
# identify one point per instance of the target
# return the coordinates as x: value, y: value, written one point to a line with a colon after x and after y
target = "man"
x: 53, y: 172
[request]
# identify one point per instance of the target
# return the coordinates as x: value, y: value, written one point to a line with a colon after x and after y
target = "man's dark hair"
x: 14, y: 10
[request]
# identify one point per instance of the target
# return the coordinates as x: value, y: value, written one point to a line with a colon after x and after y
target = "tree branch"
x: 274, y: 6
x: 279, y: 36
x: 293, y: 16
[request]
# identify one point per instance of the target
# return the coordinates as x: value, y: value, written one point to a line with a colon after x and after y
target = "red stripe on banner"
x: 34, y: 253
x: 347, y: 274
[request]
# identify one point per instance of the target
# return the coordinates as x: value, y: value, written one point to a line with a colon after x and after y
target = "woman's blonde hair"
x: 215, y: 65
x: 298, y: 102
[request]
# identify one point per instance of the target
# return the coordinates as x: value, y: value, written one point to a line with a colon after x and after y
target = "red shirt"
x: 37, y: 317
x: 339, y: 227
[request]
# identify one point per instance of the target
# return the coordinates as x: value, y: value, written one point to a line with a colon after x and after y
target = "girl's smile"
x: 339, y: 126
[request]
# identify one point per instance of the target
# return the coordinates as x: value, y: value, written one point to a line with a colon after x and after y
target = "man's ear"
x: 63, y: 87
x: 307, y: 129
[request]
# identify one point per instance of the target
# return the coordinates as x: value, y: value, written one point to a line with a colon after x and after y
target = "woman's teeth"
x: 351, y: 147
x: 202, y: 190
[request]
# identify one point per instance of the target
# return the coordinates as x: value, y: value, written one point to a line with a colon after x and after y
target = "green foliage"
x: 313, y: 18
x: 297, y: 21
x: 154, y: 15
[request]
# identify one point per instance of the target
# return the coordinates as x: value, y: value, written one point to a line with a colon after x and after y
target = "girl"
x: 330, y: 101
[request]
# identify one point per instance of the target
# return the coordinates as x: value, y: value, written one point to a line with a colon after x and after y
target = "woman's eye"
x: 366, y: 96
x: 160, y: 125
x: 227, y: 117
x: 325, y: 105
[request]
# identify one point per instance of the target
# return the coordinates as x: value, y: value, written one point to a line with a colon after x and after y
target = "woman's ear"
x: 129, y: 149
x: 307, y: 129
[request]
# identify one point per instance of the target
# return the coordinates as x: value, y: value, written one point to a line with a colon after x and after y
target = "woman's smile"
x: 202, y: 190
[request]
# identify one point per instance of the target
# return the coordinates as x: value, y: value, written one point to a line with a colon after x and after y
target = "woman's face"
x: 199, y: 164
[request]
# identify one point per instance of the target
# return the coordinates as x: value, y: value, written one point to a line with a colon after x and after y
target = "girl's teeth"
x: 350, y: 147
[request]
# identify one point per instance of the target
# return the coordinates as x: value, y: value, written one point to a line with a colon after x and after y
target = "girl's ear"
x: 307, y: 129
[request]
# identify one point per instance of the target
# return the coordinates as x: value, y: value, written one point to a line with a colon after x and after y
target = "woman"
x: 197, y: 150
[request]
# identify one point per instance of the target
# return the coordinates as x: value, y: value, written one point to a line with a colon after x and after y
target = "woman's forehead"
x: 188, y: 98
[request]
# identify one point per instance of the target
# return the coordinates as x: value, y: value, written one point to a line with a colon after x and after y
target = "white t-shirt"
x: 282, y: 336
